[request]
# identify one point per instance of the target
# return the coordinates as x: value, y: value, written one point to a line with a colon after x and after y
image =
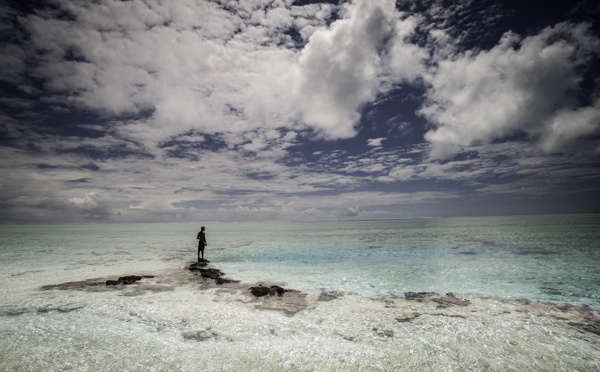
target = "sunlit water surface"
x: 174, y: 323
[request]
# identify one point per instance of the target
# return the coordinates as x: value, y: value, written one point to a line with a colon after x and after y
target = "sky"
x: 283, y: 110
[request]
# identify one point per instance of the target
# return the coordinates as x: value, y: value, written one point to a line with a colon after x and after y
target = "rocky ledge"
x: 128, y: 279
x: 95, y: 283
x: 265, y: 296
x: 269, y: 296
x: 211, y: 273
x: 273, y: 290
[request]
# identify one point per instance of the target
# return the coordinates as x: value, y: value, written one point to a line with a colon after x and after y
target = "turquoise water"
x: 550, y: 258
x: 174, y: 322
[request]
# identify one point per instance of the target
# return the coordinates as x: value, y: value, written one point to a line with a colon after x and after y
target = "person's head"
x: 202, y: 228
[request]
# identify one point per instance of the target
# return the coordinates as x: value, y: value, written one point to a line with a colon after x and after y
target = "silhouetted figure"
x: 201, y: 243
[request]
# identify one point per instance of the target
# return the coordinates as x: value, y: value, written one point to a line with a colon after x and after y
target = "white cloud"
x: 341, y: 68
x: 91, y: 206
x: 88, y: 200
x: 375, y: 142
x: 197, y: 66
x: 219, y: 95
x: 527, y: 86
x: 352, y: 211
x: 406, y: 60
x: 568, y: 125
x: 402, y: 173
x: 135, y: 57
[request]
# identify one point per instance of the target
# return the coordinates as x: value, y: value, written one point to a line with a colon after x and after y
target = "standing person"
x: 201, y: 242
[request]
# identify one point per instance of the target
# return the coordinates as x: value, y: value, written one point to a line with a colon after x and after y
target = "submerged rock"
x: 419, y: 296
x: 202, y: 335
x: 383, y: 332
x: 329, y: 296
x: 449, y: 300
x: 407, y: 317
x: 96, y: 284
x: 582, y: 316
x: 80, y: 285
x: 442, y: 301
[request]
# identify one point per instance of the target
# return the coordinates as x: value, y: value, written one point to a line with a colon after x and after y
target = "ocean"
x: 487, y: 293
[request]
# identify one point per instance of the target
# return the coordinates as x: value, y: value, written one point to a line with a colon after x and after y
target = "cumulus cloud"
x: 525, y: 85
x: 566, y: 126
x: 339, y: 68
x: 347, y: 65
x: 352, y: 211
x: 215, y: 68
x: 91, y: 206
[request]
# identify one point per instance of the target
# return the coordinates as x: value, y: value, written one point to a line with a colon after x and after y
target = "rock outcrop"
x: 211, y: 273
x: 97, y: 283
x: 127, y: 280
x: 261, y: 290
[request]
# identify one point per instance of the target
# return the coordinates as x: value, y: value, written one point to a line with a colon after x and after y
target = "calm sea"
x: 499, y: 263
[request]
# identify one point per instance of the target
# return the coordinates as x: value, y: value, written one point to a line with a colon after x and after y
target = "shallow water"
x: 178, y: 321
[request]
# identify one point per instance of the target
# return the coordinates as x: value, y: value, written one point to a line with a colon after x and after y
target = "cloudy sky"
x: 220, y: 110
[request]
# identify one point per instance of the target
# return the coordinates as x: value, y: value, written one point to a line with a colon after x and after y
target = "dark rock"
x: 96, y: 284
x: 220, y: 281
x: 81, y: 285
x: 260, y: 291
x: 273, y: 290
x: 196, y: 266
x: 129, y: 279
x: 211, y: 273
x: 277, y: 289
